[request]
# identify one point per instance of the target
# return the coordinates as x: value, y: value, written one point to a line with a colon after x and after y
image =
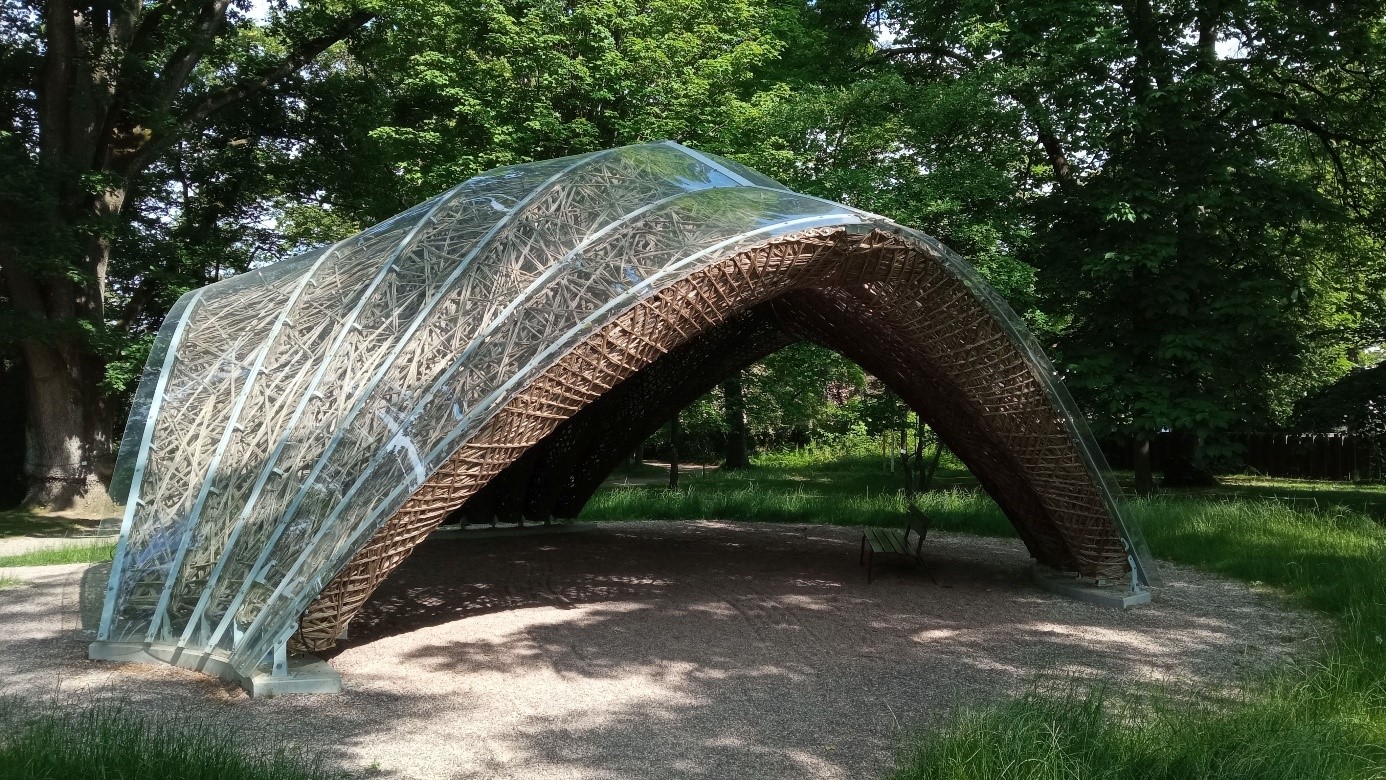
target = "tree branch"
x: 233, y: 93
x: 933, y: 51
x: 174, y: 75
x: 55, y: 92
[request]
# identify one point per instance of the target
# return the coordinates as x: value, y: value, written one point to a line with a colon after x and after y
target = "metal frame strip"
x: 132, y: 502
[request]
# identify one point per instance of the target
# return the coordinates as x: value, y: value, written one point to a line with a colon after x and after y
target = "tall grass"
x: 1087, y: 733
x: 49, y: 742
x: 954, y: 509
x: 94, y: 552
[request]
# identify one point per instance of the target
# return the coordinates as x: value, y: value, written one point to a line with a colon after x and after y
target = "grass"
x: 48, y: 742
x: 79, y: 553
x: 814, y: 486
x: 10, y: 582
x: 1324, y: 718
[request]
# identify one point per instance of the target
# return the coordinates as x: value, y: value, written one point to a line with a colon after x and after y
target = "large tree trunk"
x: 1140, y: 462
x: 68, y: 458
x: 69, y: 455
x: 733, y: 397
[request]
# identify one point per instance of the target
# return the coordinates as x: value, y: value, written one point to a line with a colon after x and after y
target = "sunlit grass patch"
x: 1323, y: 718
x: 93, y: 552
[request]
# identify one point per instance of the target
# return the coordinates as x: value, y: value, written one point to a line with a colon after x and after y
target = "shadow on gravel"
x: 673, y: 650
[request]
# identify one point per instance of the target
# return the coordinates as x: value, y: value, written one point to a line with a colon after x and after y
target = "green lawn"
x: 812, y: 487
x: 1323, y: 719
x: 93, y: 552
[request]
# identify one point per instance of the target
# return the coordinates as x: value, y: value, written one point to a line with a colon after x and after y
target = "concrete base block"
x: 1067, y: 584
x: 506, y: 529
x: 305, y: 675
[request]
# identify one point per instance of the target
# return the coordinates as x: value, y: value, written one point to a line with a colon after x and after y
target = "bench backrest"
x: 917, y: 521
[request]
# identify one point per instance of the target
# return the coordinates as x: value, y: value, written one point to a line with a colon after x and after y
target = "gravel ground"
x: 672, y: 650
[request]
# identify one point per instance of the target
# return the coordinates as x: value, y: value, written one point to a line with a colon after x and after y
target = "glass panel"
x: 478, y: 369
x: 403, y: 285
x: 144, y: 398
x: 222, y: 339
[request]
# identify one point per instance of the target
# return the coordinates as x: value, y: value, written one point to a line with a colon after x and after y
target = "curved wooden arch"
x: 888, y: 300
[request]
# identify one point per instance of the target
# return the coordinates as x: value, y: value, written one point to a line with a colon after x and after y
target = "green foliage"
x: 1184, y: 198
x: 49, y: 740
x: 443, y: 91
x: 1353, y: 403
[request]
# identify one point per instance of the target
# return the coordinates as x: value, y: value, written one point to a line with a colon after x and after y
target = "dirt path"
x: 674, y: 650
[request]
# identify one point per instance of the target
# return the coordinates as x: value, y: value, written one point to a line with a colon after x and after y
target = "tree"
x: 737, y: 455
x: 1198, y: 237
x: 447, y: 90
x: 96, y: 96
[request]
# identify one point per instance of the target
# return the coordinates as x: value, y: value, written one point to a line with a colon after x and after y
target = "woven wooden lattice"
x: 887, y: 302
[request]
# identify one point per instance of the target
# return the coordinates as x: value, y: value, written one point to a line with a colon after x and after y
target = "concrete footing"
x: 506, y: 529
x: 302, y: 675
x: 1068, y: 584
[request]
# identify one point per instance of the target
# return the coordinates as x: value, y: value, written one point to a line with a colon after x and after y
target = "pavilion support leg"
x: 297, y: 675
x: 280, y: 666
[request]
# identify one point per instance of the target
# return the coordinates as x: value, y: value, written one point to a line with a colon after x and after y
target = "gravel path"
x: 672, y: 650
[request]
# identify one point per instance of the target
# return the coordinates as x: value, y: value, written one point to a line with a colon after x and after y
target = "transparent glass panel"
x: 405, y: 286
x: 589, y: 284
x: 221, y: 343
x: 130, y: 442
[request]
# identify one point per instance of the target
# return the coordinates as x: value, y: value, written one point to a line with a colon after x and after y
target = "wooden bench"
x: 896, y: 541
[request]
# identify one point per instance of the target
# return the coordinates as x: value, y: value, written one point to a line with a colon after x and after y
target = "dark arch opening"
x: 558, y: 475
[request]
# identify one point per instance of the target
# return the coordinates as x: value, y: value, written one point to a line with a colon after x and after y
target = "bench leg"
x: 928, y: 572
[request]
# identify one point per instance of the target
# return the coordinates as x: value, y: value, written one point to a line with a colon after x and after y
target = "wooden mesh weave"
x: 886, y: 303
